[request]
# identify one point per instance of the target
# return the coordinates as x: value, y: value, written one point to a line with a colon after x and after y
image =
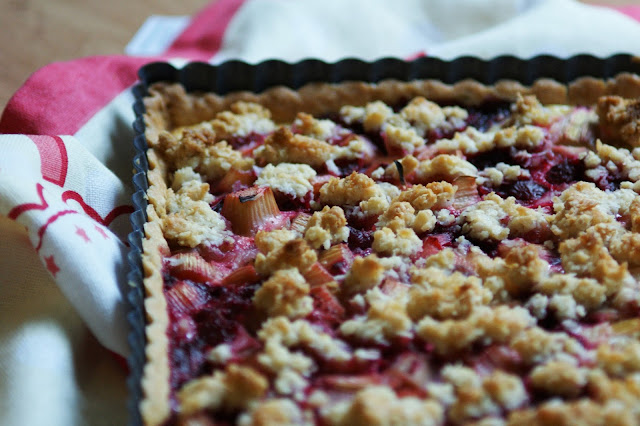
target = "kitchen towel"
x: 65, y: 167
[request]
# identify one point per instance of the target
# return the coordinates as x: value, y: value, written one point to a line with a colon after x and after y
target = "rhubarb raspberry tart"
x: 400, y: 252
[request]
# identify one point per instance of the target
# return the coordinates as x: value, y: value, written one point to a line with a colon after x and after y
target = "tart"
x: 394, y: 253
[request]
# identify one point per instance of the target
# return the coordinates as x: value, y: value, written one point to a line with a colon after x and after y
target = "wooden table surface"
x: 34, y: 33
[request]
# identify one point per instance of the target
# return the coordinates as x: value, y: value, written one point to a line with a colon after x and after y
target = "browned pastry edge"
x: 169, y: 106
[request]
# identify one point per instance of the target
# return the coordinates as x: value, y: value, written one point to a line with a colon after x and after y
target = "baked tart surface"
x: 399, y: 253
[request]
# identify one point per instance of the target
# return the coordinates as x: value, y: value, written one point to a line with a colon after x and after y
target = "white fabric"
x: 369, y: 29
x: 51, y: 371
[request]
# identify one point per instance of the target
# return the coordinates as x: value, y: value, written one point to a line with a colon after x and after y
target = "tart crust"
x: 169, y: 107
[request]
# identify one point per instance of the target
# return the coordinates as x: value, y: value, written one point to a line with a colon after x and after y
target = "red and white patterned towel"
x: 65, y: 165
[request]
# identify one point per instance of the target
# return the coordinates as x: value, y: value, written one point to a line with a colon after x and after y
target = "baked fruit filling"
x: 415, y: 263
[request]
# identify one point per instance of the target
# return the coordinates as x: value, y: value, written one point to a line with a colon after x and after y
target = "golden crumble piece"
x: 287, y: 178
x: 607, y: 159
x: 385, y: 319
x: 327, y: 227
x: 499, y: 324
x: 587, y: 256
x: 273, y: 412
x: 484, y: 221
x: 365, y: 273
x: 514, y: 275
x: 581, y: 206
x: 234, y: 388
x: 348, y: 191
x: 619, y: 119
x: 242, y: 119
x: 243, y: 385
x: 402, y: 139
x: 372, y: 116
x: 401, y: 214
x: 559, y: 378
x: 536, y: 345
x: 197, y: 149
x: 277, y: 358
x: 622, y: 392
x: 585, y: 291
x: 525, y: 268
x: 444, y: 167
x: 291, y: 369
x: 529, y: 110
x: 441, y: 295
x: 577, y: 412
x: 191, y: 221
x: 308, y: 125
x: 282, y: 146
x: 619, y: 359
x: 268, y: 241
x: 634, y: 215
x: 286, y: 293
x: 292, y: 254
x: 522, y: 220
x: 202, y: 393
x: 477, y: 397
x: 190, y: 183
x: 408, y: 164
x: 469, y: 141
x: 301, y: 332
x: 425, y: 115
x: 526, y: 137
x: 434, y: 195
x: 379, y: 405
x: 623, y: 245
x: 403, y: 242
x: 444, y: 260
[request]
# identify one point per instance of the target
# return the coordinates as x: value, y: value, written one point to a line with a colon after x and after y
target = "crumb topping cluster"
x: 405, y: 264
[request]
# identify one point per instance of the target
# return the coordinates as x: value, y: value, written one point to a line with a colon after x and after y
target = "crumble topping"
x: 559, y: 378
x: 308, y: 125
x: 381, y: 405
x: 386, y: 317
x: 620, y: 119
x: 477, y: 397
x: 399, y: 242
x: 189, y: 220
x: 301, y: 332
x: 282, y: 146
x: 327, y: 227
x: 274, y: 412
x: 286, y: 178
x: 284, y: 293
x: 198, y: 149
x: 236, y: 387
x: 427, y: 264
x: 529, y: 110
x: 292, y: 254
x: 441, y: 295
x: 243, y: 119
x: 444, y: 166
